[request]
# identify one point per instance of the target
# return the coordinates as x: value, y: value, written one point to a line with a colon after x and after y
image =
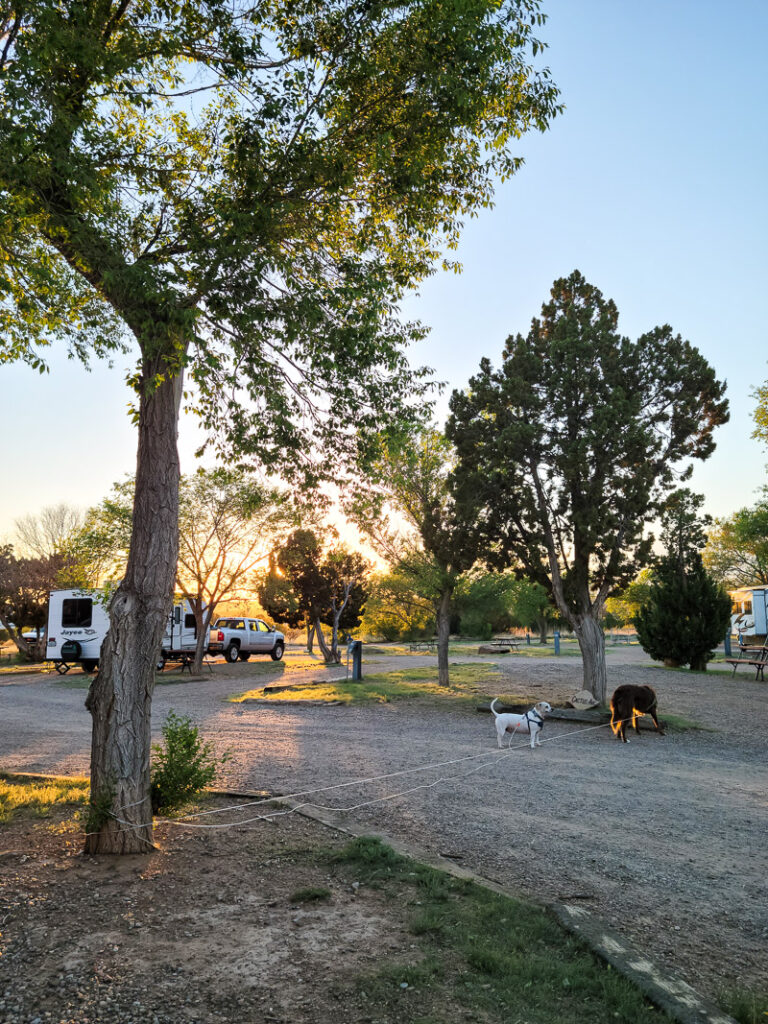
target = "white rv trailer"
x: 749, y: 611
x: 78, y: 621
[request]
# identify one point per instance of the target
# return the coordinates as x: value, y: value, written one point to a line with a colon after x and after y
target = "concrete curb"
x: 664, y: 990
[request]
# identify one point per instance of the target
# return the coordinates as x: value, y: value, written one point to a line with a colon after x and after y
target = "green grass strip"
x: 496, y: 958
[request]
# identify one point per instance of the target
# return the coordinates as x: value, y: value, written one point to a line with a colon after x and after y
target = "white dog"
x: 531, y: 722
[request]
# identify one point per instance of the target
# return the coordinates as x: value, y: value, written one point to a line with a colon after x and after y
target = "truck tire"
x: 244, y: 655
x: 277, y: 651
x: 232, y: 653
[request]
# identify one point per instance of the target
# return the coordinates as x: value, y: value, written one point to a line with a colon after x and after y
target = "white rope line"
x: 495, y: 755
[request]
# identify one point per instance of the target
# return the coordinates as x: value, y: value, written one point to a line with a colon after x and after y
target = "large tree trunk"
x: 591, y: 639
x: 120, y: 698
x: 322, y: 644
x: 443, y: 611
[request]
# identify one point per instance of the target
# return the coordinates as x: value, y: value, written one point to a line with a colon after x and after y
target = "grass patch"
x: 744, y: 1005
x: 403, y: 684
x: 495, y: 958
x: 24, y: 796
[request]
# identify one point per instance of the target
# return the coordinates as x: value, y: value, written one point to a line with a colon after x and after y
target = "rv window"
x: 747, y: 607
x: 189, y: 623
x: 76, y: 612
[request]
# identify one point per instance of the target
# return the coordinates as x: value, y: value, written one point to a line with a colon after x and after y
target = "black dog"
x: 630, y: 703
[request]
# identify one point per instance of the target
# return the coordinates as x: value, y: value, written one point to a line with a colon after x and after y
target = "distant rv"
x: 78, y: 622
x: 749, y: 611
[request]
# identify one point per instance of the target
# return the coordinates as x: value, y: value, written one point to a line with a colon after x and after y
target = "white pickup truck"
x: 240, y: 638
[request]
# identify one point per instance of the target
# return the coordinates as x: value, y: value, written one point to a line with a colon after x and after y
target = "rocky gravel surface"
x: 664, y: 838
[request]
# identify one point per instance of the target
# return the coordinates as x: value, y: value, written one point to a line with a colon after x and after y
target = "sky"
x: 652, y: 184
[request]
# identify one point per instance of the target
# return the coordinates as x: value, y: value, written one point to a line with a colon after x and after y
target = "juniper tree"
x: 567, y: 450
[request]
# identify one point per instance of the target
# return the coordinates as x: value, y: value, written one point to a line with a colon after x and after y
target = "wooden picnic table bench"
x: 757, y: 657
x: 423, y: 645
x: 512, y: 642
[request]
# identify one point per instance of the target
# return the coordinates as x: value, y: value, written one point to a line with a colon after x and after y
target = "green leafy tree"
x: 483, y: 602
x: 278, y: 598
x: 326, y: 587
x: 761, y: 414
x: 395, y: 610
x: 566, y: 452
x: 737, y: 547
x: 410, y: 517
x: 624, y: 606
x: 228, y: 520
x: 531, y: 607
x: 241, y: 195
x: 105, y: 536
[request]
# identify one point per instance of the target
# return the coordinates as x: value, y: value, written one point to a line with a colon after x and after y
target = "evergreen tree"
x: 567, y: 451
x: 686, y: 616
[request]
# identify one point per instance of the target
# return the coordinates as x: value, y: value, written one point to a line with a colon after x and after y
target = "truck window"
x: 263, y: 626
x: 76, y: 612
x: 253, y: 626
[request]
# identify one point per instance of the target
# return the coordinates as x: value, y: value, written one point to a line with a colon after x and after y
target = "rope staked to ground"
x: 495, y: 758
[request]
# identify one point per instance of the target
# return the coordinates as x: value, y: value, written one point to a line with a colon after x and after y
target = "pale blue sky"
x: 652, y: 184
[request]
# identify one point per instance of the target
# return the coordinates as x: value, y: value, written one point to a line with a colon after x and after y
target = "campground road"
x: 664, y: 838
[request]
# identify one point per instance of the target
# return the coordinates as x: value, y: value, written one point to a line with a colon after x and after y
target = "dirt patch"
x: 662, y: 838
x: 244, y: 924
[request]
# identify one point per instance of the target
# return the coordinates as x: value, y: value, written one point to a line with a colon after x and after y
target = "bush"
x: 183, y: 767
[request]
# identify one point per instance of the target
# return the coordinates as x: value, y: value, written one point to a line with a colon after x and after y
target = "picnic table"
x: 623, y: 638
x: 756, y: 657
x: 513, y: 643
x: 423, y: 645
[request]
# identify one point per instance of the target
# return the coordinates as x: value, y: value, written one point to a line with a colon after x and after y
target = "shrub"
x: 686, y: 615
x: 184, y: 766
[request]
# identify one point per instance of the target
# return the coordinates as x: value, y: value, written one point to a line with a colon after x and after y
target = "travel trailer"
x: 78, y: 621
x: 749, y: 612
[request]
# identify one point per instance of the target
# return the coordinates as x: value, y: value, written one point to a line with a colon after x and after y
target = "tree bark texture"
x: 443, y: 636
x: 120, y: 698
x: 325, y: 650
x: 591, y: 639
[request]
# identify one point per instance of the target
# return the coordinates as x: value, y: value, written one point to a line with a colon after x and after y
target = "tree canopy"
x: 247, y: 190
x: 737, y: 547
x: 567, y: 451
x: 409, y: 515
x: 311, y: 584
x: 241, y: 193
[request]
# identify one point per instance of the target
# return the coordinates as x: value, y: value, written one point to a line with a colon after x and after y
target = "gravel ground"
x: 664, y: 838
